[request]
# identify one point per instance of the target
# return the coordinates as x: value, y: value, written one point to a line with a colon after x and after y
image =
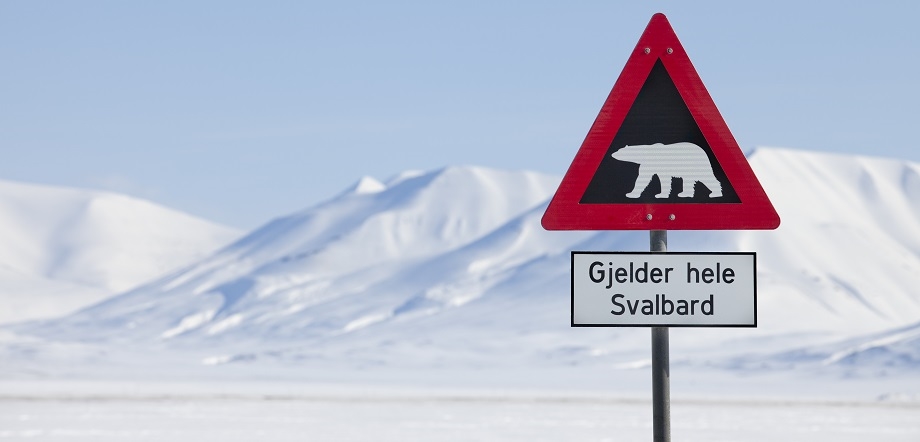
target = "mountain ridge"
x: 452, y: 267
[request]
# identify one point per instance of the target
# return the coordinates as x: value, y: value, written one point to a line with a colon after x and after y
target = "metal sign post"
x: 661, y: 364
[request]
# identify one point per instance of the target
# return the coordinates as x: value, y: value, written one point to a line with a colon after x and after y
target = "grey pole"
x: 661, y: 371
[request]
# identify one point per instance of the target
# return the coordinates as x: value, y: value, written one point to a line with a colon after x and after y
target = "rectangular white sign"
x: 654, y: 289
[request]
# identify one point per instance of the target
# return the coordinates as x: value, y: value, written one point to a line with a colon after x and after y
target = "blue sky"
x: 243, y: 111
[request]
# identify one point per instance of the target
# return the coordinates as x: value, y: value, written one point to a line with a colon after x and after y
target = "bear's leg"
x: 714, y: 186
x: 642, y: 181
x: 665, y: 186
x: 689, y: 188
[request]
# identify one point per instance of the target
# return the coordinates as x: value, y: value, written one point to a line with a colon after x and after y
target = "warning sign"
x: 659, y: 155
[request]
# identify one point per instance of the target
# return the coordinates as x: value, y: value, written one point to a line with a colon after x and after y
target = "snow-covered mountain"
x: 452, y: 268
x: 344, y: 251
x: 67, y: 248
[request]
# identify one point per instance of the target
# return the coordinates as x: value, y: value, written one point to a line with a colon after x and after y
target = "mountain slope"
x: 850, y: 240
x: 337, y: 250
x: 65, y: 248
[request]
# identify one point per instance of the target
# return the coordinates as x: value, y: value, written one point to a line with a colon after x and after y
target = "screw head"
x: 648, y: 50
x: 671, y: 217
x: 648, y: 217
x: 670, y: 51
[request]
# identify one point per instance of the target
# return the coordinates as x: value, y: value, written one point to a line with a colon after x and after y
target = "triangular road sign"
x: 659, y: 155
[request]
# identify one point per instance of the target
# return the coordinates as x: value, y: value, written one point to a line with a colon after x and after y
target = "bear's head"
x: 635, y: 154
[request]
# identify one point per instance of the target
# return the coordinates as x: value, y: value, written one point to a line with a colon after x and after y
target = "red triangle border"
x: 565, y: 212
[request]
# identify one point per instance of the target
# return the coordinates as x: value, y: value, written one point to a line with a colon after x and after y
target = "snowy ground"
x: 353, y: 414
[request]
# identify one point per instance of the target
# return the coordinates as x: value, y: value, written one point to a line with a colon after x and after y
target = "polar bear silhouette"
x: 681, y: 160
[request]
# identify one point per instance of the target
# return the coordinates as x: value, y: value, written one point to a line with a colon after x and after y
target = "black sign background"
x: 658, y: 115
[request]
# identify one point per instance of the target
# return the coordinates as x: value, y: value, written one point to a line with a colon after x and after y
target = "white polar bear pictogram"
x: 681, y: 160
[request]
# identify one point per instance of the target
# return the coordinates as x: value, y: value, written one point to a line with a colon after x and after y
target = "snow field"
x: 400, y: 418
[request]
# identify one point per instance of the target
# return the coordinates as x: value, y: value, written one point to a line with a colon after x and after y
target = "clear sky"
x: 244, y: 111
